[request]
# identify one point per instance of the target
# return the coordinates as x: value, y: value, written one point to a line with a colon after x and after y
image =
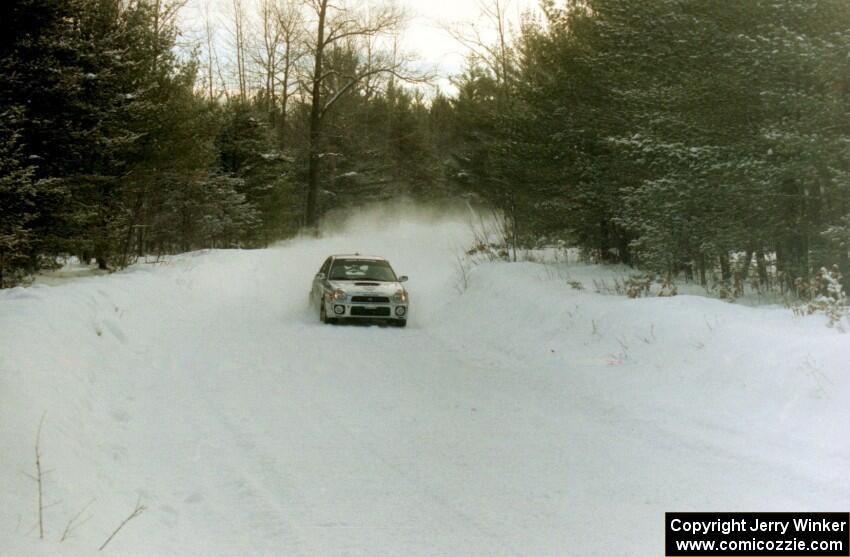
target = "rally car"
x: 359, y: 287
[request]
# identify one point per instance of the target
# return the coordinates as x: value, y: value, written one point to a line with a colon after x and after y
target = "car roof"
x: 358, y: 256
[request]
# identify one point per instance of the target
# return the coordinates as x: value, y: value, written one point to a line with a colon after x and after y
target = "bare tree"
x: 239, y: 37
x: 290, y: 21
x: 211, y: 53
x: 266, y: 55
x: 488, y: 39
x: 164, y: 15
x: 495, y: 11
x: 336, y: 25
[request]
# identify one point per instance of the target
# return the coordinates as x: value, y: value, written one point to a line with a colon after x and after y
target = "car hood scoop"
x: 365, y: 287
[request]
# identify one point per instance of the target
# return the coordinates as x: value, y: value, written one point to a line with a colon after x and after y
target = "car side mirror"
x: 320, y: 276
x: 402, y: 278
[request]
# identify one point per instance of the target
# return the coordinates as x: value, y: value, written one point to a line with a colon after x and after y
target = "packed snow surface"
x: 518, y: 416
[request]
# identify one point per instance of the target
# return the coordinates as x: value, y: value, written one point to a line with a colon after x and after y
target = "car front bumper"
x: 345, y: 309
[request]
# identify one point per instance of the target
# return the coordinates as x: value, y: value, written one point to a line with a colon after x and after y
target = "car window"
x: 325, y: 266
x: 360, y: 269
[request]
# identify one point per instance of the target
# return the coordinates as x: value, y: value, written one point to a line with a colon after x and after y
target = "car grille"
x: 370, y: 312
x: 370, y: 299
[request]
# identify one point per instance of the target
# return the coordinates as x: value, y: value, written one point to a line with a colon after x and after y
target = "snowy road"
x: 521, y: 417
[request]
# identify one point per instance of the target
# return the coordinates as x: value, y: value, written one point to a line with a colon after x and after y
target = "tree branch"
x: 39, y: 476
x: 354, y: 80
x: 137, y: 510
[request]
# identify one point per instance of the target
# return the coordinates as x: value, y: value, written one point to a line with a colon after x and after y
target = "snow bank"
x: 507, y: 419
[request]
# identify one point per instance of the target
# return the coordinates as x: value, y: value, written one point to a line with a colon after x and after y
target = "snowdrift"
x: 516, y: 416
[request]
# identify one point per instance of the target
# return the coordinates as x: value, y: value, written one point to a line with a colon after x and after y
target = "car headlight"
x: 338, y: 294
x: 400, y: 297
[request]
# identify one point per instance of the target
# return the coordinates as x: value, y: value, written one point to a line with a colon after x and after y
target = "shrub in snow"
x: 668, y: 289
x: 489, y: 251
x: 601, y: 286
x: 637, y: 286
x: 824, y: 293
x: 726, y: 293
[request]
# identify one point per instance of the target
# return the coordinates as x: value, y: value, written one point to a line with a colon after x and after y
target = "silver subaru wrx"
x: 359, y: 287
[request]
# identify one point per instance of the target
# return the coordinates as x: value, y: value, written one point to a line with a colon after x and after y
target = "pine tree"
x: 17, y: 207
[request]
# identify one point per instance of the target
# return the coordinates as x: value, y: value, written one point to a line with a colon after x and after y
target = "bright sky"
x: 425, y: 34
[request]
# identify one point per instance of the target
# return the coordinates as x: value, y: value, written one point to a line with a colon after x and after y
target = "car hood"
x: 366, y: 288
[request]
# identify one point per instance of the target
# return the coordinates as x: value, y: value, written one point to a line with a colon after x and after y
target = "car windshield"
x: 362, y: 269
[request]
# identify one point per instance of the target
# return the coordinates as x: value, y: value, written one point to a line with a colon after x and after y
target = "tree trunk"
x: 284, y: 94
x: 761, y: 266
x: 238, y: 21
x: 745, y: 267
x: 688, y: 268
x: 131, y: 228
x: 725, y: 268
x: 701, y: 269
x: 311, y: 219
x: 624, y: 252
